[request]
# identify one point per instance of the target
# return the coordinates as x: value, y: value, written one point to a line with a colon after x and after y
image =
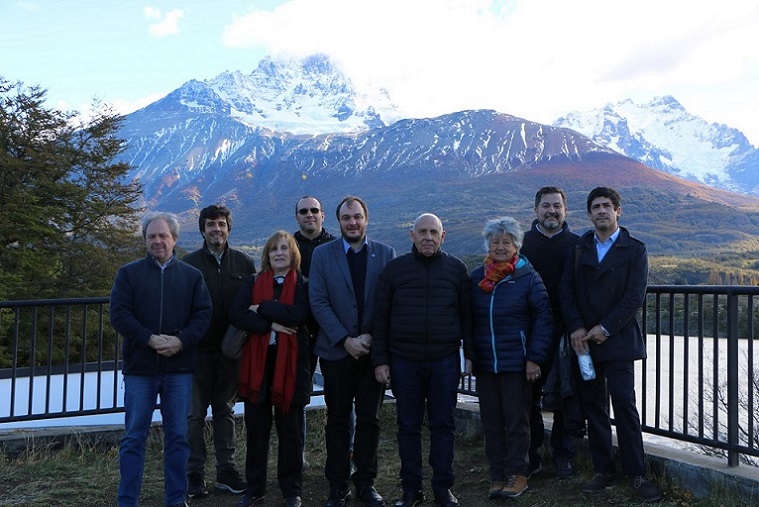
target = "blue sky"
x: 538, y: 59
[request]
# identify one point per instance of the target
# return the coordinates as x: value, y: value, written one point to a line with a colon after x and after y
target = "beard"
x: 550, y: 224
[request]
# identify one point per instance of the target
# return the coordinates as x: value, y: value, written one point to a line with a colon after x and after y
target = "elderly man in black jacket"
x: 421, y: 319
x: 603, y: 287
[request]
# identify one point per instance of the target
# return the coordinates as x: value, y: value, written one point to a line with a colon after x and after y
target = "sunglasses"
x: 314, y: 211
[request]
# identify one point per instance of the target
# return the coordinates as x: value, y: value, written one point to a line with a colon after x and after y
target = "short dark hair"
x: 350, y: 199
x: 212, y: 212
x: 610, y: 193
x: 308, y: 197
x: 550, y: 190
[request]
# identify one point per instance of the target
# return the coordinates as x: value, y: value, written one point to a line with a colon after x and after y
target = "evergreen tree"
x: 69, y: 215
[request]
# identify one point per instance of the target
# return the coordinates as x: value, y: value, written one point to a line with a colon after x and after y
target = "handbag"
x: 233, y: 342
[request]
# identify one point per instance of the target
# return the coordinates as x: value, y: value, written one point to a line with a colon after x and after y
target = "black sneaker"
x: 229, y: 479
x: 598, y: 484
x: 645, y: 489
x: 338, y: 498
x: 535, y: 468
x: 247, y: 500
x: 563, y: 469
x: 196, y: 485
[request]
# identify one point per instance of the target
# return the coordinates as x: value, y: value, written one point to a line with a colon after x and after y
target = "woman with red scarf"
x: 511, y: 334
x: 274, y: 369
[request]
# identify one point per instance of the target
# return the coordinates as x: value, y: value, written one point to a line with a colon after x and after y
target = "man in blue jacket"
x: 602, y: 290
x: 342, y: 290
x: 161, y: 307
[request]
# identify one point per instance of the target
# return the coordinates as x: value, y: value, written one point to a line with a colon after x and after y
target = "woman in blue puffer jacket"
x: 511, y: 334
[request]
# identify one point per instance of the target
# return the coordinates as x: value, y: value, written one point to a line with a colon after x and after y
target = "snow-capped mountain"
x: 308, y: 96
x: 291, y: 128
x: 663, y: 135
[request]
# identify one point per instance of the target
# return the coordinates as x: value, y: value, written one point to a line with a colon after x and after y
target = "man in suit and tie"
x: 603, y: 287
x: 342, y: 287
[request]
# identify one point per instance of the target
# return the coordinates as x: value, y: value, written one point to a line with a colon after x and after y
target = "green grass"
x: 86, y: 474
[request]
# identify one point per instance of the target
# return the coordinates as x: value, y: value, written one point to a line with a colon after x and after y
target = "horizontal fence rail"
x: 698, y: 386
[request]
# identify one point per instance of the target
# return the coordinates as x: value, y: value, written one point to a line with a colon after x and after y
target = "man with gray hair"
x: 161, y: 307
x: 421, y: 319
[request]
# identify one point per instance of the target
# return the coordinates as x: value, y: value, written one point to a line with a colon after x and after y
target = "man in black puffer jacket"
x: 421, y: 319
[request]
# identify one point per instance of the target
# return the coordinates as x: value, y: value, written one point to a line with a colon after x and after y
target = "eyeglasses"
x: 314, y: 211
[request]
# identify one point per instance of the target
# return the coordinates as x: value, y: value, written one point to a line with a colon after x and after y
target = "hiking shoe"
x: 597, y: 484
x: 495, y: 489
x: 563, y: 469
x: 514, y: 486
x: 645, y: 489
x: 196, y: 485
x: 535, y: 468
x: 229, y: 479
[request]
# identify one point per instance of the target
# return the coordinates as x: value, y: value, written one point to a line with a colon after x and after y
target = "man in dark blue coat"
x: 421, y: 319
x: 161, y: 307
x: 603, y: 288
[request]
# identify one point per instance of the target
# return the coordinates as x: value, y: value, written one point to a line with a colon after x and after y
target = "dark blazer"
x: 609, y: 293
x: 333, y: 300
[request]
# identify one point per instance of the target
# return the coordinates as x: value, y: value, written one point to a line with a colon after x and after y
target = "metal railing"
x: 61, y: 358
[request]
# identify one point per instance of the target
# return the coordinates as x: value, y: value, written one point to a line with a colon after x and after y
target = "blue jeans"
x: 140, y: 392
x: 434, y: 384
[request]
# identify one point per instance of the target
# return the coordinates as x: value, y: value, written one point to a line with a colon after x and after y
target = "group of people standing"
x: 415, y: 321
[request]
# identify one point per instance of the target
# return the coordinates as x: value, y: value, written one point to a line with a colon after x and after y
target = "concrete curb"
x: 701, y: 475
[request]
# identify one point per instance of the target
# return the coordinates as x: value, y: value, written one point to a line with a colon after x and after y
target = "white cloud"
x: 166, y: 25
x: 125, y: 107
x: 532, y: 58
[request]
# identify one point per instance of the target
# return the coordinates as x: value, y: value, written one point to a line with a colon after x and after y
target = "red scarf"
x: 253, y: 365
x: 496, y: 271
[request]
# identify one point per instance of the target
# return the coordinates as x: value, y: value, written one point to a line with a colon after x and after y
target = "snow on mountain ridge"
x: 663, y: 135
x: 308, y: 96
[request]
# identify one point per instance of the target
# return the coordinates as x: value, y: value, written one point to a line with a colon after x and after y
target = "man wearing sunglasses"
x: 310, y: 218
x: 310, y: 233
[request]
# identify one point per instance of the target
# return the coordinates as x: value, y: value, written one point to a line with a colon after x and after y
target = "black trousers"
x: 348, y: 381
x: 258, y: 422
x: 615, y: 379
x: 505, y: 401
